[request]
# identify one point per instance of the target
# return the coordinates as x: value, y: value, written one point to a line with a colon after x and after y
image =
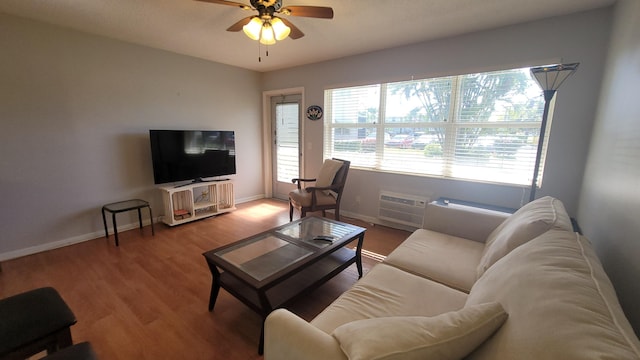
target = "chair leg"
x: 290, y: 211
x: 303, y: 213
x: 324, y: 213
x: 62, y: 340
x: 337, y: 214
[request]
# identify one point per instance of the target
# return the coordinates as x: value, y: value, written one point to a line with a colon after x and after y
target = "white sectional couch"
x: 472, y: 284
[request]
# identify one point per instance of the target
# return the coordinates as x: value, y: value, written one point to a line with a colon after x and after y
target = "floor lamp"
x: 549, y: 78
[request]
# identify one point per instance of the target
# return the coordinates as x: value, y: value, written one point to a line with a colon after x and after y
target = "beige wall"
x: 581, y: 37
x: 75, y: 111
x: 609, y: 211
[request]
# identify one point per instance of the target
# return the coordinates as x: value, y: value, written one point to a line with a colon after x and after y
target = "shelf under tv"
x: 197, y: 200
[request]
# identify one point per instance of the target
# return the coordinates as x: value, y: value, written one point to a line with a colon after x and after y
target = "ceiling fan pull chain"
x: 266, y: 51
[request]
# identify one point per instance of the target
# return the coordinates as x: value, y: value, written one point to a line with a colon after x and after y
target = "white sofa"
x: 473, y: 284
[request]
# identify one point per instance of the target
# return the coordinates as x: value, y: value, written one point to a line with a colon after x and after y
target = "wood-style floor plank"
x: 148, y: 298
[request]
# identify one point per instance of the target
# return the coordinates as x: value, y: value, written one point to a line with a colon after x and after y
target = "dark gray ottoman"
x: 34, y: 321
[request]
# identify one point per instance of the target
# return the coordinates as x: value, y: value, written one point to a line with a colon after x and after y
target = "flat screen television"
x: 182, y: 155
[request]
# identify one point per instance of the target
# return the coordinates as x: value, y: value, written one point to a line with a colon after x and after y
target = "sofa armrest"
x: 463, y: 221
x: 287, y: 336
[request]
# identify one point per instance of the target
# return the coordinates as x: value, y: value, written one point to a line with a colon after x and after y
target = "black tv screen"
x: 181, y: 155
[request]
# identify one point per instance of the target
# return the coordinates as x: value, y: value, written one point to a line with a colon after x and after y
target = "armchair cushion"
x: 303, y: 198
x: 451, y: 335
x: 327, y: 173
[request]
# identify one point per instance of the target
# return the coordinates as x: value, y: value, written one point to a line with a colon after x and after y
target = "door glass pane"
x: 287, y: 141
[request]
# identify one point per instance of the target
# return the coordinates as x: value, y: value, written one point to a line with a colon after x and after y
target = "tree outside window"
x: 476, y: 126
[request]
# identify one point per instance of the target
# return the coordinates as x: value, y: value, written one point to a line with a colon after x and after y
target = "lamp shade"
x: 267, y: 37
x: 550, y: 77
x: 280, y: 29
x: 252, y: 28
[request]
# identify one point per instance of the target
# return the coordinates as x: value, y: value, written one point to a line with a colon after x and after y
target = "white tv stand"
x: 196, y: 201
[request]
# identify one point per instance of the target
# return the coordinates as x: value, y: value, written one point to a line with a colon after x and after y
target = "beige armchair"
x: 326, y: 192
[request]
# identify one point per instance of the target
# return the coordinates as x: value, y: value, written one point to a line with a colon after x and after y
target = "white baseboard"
x: 90, y: 236
x: 98, y: 234
x: 251, y: 198
x: 68, y: 241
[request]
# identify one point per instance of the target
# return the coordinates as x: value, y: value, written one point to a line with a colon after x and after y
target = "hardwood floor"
x: 148, y: 298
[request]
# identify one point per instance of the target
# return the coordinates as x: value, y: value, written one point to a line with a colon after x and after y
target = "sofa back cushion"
x: 464, y: 221
x: 528, y: 222
x: 560, y: 302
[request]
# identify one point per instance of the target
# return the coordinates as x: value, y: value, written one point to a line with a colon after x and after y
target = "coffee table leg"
x: 215, y: 286
x: 359, y: 255
x: 261, y: 344
x: 266, y: 310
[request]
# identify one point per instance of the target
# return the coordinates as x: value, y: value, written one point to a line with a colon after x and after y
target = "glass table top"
x: 126, y: 205
x: 266, y: 254
x: 312, y: 229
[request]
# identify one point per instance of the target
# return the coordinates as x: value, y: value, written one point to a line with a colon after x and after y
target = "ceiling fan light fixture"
x: 253, y: 28
x: 280, y: 29
x: 267, y: 36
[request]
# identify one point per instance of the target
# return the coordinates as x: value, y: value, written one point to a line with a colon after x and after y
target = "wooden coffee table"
x: 271, y: 269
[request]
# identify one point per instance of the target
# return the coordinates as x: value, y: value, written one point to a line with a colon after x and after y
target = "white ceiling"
x: 359, y: 26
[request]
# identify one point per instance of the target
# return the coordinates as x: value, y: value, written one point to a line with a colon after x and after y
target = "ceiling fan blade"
x: 238, y: 26
x: 295, y: 32
x: 309, y: 11
x: 230, y: 3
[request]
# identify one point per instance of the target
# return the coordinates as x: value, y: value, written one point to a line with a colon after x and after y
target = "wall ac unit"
x: 402, y: 208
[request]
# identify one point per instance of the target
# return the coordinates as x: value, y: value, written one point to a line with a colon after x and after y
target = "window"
x: 477, y: 126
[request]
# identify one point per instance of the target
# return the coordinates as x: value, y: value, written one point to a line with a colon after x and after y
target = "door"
x: 286, y: 115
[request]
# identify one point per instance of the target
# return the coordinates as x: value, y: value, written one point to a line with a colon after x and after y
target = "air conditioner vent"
x: 402, y: 208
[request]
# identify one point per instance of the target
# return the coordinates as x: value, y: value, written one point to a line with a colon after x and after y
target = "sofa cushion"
x: 447, y: 259
x: 451, y: 335
x: 388, y: 291
x: 560, y: 302
x: 525, y: 224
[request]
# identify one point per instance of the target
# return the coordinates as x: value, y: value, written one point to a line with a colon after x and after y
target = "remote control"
x: 324, y: 238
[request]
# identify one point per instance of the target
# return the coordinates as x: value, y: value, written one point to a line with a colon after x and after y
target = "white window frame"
x: 451, y: 127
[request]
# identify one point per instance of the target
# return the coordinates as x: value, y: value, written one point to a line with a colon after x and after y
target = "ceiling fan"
x: 267, y: 27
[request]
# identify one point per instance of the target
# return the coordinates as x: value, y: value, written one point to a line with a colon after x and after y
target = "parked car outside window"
x: 423, y: 140
x: 369, y: 143
x: 402, y: 141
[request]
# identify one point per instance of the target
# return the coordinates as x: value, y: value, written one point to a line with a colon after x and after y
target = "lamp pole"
x: 549, y: 78
x: 548, y: 95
